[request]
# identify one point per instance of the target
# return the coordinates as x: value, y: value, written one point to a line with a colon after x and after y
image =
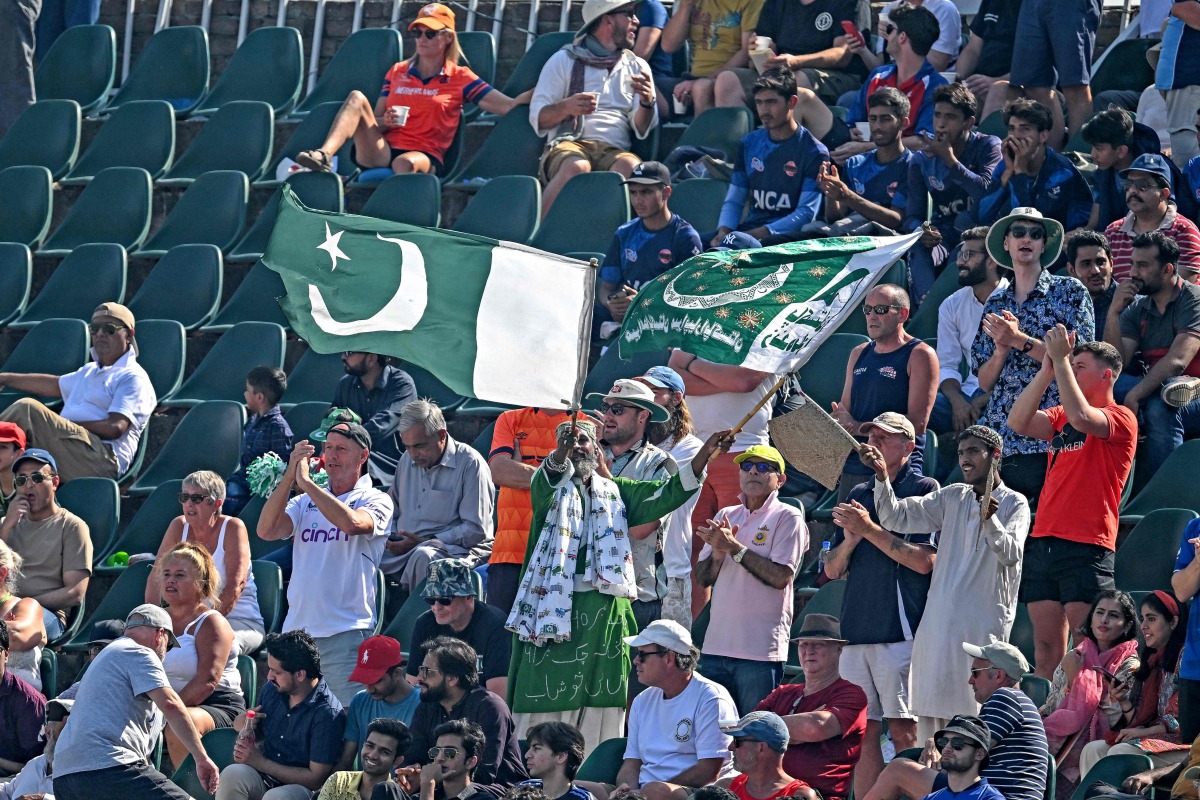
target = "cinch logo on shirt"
x: 322, y: 535
x: 772, y: 201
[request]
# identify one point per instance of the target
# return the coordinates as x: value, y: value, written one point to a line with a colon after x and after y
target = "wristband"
x: 645, y: 105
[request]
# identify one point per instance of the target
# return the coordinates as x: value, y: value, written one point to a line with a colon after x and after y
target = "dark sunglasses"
x: 450, y: 752
x: 642, y: 655
x: 956, y: 745
x: 441, y: 601
x: 757, y: 466
x: 881, y: 309
x: 738, y: 742
x: 1020, y: 232
x: 183, y: 497
x: 428, y: 34
x: 37, y: 477
x: 613, y: 409
x: 107, y: 328
x: 890, y: 29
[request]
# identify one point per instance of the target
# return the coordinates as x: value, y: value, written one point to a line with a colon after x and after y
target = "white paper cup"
x: 865, y: 129
x: 950, y: 77
x: 763, y: 43
x: 759, y: 59
x: 679, y: 106
x: 399, y: 116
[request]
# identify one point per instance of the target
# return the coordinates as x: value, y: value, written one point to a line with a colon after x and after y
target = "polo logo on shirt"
x: 789, y: 169
x: 756, y: 164
x: 630, y: 254
x: 664, y: 256
x: 824, y: 21
x: 887, y: 372
x: 760, y: 537
x: 683, y: 730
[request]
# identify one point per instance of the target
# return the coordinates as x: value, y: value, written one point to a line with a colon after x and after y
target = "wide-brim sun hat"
x: 595, y: 9
x: 996, y: 234
x: 634, y: 393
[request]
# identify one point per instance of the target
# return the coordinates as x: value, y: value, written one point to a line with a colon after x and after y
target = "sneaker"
x: 1181, y: 391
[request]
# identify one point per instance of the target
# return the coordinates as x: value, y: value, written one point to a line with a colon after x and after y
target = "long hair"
x: 675, y: 428
x: 1174, y: 644
x: 1128, y: 611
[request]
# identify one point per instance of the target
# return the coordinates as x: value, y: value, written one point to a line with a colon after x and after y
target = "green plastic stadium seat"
x: 90, y: 275
x: 48, y: 672
x: 219, y: 746
x: 28, y: 194
x: 431, y: 388
x: 1036, y: 688
x: 211, y: 211
x: 259, y: 548
x: 16, y: 277
x: 162, y: 352
x: 1022, y: 632
x: 126, y: 594
x: 1163, y: 491
x: 267, y: 66
x: 1113, y: 770
x: 144, y: 533
x: 512, y: 148
x: 1124, y: 67
x: 722, y: 128
x: 317, y: 190
x: 479, y: 53
x: 196, y: 266
x: 598, y: 197
x: 222, y: 373
x: 81, y: 66
x: 924, y: 322
x: 524, y: 76
x: 268, y: 579
x: 309, y: 135
x: 401, y: 626
x: 45, y: 135
x: 414, y: 199
x: 603, y: 763
x: 824, y: 375
x: 303, y: 418
x: 239, y: 136
x: 254, y: 300
x: 1146, y: 559
x: 139, y: 134
x: 53, y: 346
x: 209, y: 437
x: 508, y: 208
x: 360, y: 63
x: 97, y: 501
x: 699, y: 202
x: 174, y: 66
x: 993, y: 124
x: 313, y: 378
x: 115, y: 207
x: 248, y: 673
x: 483, y: 442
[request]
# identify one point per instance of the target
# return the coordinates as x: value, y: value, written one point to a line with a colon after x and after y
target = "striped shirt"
x: 1017, y: 764
x: 1120, y: 235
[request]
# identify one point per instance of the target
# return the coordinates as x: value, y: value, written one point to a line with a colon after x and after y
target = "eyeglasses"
x: 758, y: 466
x: 1143, y: 186
x: 37, y: 477
x: 956, y: 745
x: 441, y: 601
x: 880, y: 309
x: 615, y: 410
x: 966, y: 255
x: 107, y: 328
x: 981, y: 669
x: 890, y: 29
x: 183, y: 497
x: 428, y: 34
x: 449, y: 752
x: 425, y: 672
x: 642, y: 655
x: 1021, y: 232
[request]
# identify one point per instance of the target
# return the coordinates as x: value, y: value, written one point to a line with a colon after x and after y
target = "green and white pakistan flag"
x: 766, y: 309
x: 492, y: 320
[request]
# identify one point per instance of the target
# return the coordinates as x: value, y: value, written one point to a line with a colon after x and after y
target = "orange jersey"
x: 435, y: 105
x: 531, y: 431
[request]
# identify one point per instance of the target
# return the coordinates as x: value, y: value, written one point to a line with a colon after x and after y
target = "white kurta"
x: 973, y: 593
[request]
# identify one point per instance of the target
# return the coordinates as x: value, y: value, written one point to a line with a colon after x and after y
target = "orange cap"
x: 434, y: 16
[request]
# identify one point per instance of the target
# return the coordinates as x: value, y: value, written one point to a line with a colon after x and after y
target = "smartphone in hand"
x: 850, y: 30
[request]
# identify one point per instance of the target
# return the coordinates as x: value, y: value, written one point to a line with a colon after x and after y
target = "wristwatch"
x: 1028, y: 344
x: 740, y: 554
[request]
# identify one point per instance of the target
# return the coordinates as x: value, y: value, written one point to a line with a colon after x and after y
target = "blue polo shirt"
x: 1189, y: 665
x: 312, y: 732
x: 638, y: 255
x: 779, y: 178
x: 883, y: 184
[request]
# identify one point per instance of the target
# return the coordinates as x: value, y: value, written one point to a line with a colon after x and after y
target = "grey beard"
x: 585, y: 467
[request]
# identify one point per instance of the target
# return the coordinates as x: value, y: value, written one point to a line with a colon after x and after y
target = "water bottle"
x: 246, y: 734
x: 823, y: 559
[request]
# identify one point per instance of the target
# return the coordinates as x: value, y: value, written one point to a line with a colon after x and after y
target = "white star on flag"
x: 331, y: 246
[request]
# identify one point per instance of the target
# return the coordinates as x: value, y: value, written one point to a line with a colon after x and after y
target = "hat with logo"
x: 637, y: 394
x: 971, y: 727
x: 763, y: 451
x: 664, y: 378
x: 664, y: 633
x: 106, y: 631
x: 892, y: 422
x: 820, y: 628
x: 650, y: 172
x: 449, y: 577
x: 761, y: 726
x: 333, y: 417
x: 736, y: 240
x: 1002, y: 655
x: 1153, y: 163
x: 11, y: 432
x: 999, y: 229
x: 376, y: 655
x: 38, y: 455
x: 434, y: 16
x: 595, y: 9
x: 149, y: 615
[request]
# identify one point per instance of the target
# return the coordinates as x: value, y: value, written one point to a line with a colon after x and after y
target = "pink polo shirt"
x: 749, y: 619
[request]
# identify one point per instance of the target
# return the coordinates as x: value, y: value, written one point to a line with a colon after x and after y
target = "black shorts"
x: 224, y: 705
x: 1065, y: 571
x: 838, y: 134
x: 436, y: 166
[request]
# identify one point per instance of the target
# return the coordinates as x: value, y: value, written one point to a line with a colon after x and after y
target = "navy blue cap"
x: 1155, y: 164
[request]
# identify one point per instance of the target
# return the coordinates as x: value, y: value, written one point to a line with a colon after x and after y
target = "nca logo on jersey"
x: 772, y: 201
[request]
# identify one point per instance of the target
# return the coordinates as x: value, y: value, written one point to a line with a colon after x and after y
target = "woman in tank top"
x: 226, y: 540
x: 203, y: 669
x: 23, y: 615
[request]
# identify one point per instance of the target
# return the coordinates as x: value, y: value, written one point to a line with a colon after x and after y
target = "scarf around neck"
x: 583, y: 54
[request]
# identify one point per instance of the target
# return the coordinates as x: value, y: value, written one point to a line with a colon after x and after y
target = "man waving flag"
x: 492, y: 320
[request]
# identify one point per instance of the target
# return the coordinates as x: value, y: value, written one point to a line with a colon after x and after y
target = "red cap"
x: 376, y: 656
x: 11, y: 432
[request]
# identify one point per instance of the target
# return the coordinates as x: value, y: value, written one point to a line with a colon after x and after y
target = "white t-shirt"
x: 715, y: 412
x: 92, y: 392
x: 333, y: 575
x: 949, y: 22
x: 613, y: 120
x: 670, y: 736
x: 677, y: 539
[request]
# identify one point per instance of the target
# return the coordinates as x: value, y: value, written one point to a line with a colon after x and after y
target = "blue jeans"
x: 941, y: 419
x: 748, y: 682
x: 54, y: 628
x: 1166, y: 427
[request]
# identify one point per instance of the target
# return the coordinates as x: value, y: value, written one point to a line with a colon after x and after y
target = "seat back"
x: 483, y: 442
x: 127, y: 593
x: 97, y: 501
x: 525, y: 75
x: 48, y: 672
x: 196, y: 266
x: 53, y: 346
x: 218, y: 744
x: 28, y: 194
x: 304, y: 418
x: 309, y: 135
x: 1036, y: 688
x: 722, y: 128
x: 239, y: 136
x: 1113, y: 770
x: 414, y: 199
x: 401, y: 626
x: 268, y: 581
x: 162, y: 352
x: 317, y: 190
x: 209, y: 437
x: 360, y: 63
x: 924, y: 321
x: 602, y: 764
x: 268, y: 66
x: 211, y: 211
x: 91, y: 274
x: 254, y: 300
x: 222, y: 373
x: 1145, y: 560
x: 81, y: 66
x: 138, y: 134
x: 248, y: 675
x: 1163, y: 491
x: 313, y: 378
x: 479, y: 51
x: 115, y: 207
x: 174, y: 66
x: 699, y: 202
x: 1022, y: 632
x: 144, y: 533
x: 16, y: 278
x: 45, y: 135
x: 823, y: 377
x: 598, y: 197
x: 1124, y: 66
x: 512, y: 148
x: 508, y: 208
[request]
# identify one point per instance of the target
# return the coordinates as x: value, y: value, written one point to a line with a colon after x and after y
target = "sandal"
x: 315, y: 160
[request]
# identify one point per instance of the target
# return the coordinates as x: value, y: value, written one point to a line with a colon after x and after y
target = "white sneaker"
x: 1181, y: 391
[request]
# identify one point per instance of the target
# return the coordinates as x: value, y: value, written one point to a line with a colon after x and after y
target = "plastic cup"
x: 399, y: 116
x: 679, y: 106
x: 865, y: 129
x: 951, y: 77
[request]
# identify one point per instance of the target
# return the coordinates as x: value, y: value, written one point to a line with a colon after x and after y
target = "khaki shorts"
x: 599, y: 155
x: 829, y: 85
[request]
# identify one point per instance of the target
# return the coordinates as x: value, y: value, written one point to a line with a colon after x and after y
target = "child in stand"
x: 265, y: 432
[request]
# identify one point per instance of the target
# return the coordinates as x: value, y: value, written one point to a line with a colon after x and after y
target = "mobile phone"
x: 1107, y: 675
x: 850, y: 30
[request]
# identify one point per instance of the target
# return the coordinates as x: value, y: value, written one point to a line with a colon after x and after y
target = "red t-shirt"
x: 1085, y: 476
x: 827, y: 766
x: 738, y: 787
x: 435, y: 105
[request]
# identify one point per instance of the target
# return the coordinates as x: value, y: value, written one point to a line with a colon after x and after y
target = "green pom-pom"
x: 265, y: 473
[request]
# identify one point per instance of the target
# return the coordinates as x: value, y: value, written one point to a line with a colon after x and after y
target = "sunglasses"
x: 957, y: 745
x: 881, y: 309
x: 642, y: 655
x: 441, y: 601
x: 1021, y: 232
x: 890, y: 29
x: 428, y: 34
x: 449, y: 752
x: 615, y: 410
x: 757, y: 466
x: 1143, y: 186
x: 183, y: 497
x: 37, y: 477
x: 107, y: 328
x: 738, y: 742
